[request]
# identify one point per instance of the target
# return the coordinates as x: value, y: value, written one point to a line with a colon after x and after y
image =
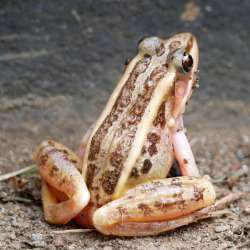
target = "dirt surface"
x: 59, y: 62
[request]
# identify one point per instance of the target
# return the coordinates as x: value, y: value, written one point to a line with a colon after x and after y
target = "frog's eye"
x: 181, y: 60
x: 187, y: 62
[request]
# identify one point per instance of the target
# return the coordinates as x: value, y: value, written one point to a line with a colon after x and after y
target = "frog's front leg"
x: 183, y: 152
x: 64, y: 193
x: 155, y: 207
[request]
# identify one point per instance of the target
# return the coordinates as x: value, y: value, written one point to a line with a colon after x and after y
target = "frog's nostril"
x: 187, y: 62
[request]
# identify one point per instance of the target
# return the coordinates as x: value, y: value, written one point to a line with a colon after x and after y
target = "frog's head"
x: 181, y: 54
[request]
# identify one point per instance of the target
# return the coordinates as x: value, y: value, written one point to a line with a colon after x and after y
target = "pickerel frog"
x: 119, y: 180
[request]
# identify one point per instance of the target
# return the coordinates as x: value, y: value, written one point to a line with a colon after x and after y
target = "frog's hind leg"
x: 156, y: 206
x: 64, y: 193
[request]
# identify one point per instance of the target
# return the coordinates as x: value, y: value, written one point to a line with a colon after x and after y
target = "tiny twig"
x: 17, y: 172
x: 17, y: 199
x: 212, y: 211
x: 82, y: 230
x: 221, y: 212
x: 228, y: 199
x: 22, y: 200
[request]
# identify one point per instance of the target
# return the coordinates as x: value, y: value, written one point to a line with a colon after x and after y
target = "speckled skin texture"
x: 60, y: 87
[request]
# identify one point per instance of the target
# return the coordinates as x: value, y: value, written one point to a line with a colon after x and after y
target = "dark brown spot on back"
x: 152, y: 149
x: 143, y: 150
x: 134, y: 173
x: 147, y: 164
x: 138, y: 108
x: 153, y: 138
x: 73, y: 161
x: 160, y: 119
x: 109, y: 180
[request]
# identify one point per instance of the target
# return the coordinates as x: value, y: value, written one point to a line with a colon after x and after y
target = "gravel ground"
x: 59, y: 62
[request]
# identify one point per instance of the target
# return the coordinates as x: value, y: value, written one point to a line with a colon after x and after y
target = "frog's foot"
x: 64, y: 193
x: 156, y: 206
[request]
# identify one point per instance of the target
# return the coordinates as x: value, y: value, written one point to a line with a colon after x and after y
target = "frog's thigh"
x: 155, y: 207
x: 61, y: 182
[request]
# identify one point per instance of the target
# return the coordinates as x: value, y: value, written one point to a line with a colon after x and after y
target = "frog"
x: 118, y: 182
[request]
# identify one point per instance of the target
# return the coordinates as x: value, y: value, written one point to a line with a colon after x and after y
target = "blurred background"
x: 60, y: 60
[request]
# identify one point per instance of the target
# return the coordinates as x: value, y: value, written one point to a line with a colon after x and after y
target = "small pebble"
x: 214, y: 237
x: 237, y: 231
x: 37, y: 240
x: 39, y: 243
x: 58, y: 242
x: 71, y: 247
x: 36, y: 237
x: 12, y: 236
x: 220, y: 228
x: 14, y: 222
